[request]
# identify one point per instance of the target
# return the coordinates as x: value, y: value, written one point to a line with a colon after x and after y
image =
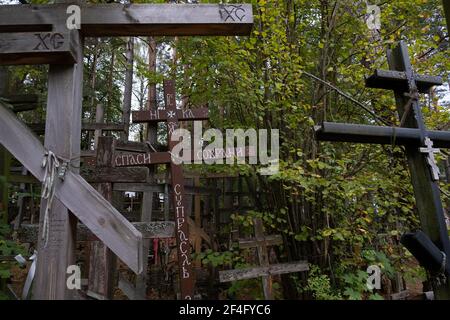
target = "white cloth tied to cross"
x: 53, y: 167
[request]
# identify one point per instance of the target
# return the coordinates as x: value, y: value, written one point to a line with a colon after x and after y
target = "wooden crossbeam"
x: 37, y: 48
x: 39, y: 128
x: 76, y: 194
x: 102, y: 126
x: 162, y: 115
x: 116, y: 175
x: 23, y: 102
x: 250, y: 273
x: 148, y: 187
x: 104, y: 20
x: 358, y: 133
x: 265, y: 270
x: 271, y: 240
x: 28, y: 233
x: 396, y: 80
x: 141, y: 159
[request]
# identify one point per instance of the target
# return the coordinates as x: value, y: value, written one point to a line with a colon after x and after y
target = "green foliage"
x: 216, y: 259
x: 319, y: 285
x: 7, y: 248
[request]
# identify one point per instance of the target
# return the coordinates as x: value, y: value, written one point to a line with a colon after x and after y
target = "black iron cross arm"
x: 396, y: 80
x: 359, y: 133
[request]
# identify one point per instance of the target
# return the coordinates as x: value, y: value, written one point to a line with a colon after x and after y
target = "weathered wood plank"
x: 132, y: 146
x: 22, y: 102
x: 39, y: 128
x: 181, y: 209
x: 56, y: 249
x: 102, y: 126
x: 102, y: 262
x: 99, y: 20
x: 149, y: 187
x: 250, y: 273
x: 140, y: 159
x: 37, y: 48
x: 117, y: 175
x: 123, y: 159
x: 28, y: 233
x: 79, y: 197
x: 162, y: 115
x: 271, y: 240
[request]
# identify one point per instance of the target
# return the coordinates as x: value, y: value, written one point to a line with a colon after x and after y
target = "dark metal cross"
x: 418, y: 142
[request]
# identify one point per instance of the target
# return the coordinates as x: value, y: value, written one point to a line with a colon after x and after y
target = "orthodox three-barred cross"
x: 39, y: 34
x: 419, y: 145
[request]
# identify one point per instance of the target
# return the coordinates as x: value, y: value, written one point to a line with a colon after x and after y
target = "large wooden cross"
x: 265, y: 269
x: 38, y: 34
x: 418, y: 142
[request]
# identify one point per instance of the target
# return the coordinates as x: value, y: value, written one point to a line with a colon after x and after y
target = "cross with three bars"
x: 38, y: 34
x: 172, y: 116
x: 419, y: 145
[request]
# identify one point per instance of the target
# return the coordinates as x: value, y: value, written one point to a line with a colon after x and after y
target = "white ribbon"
x: 30, y: 277
x: 51, y: 164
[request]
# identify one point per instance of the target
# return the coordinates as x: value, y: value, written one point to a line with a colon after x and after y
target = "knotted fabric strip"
x: 50, y: 163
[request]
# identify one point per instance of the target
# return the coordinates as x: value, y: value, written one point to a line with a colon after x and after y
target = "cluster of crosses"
x: 38, y: 34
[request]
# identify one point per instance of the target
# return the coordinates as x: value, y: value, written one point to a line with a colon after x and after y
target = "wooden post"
x: 198, y: 221
x: 102, y: 261
x: 128, y: 90
x: 5, y: 157
x: 179, y: 200
x: 62, y: 136
x: 263, y: 259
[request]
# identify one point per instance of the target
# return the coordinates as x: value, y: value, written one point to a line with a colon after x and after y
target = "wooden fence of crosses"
x: 419, y: 145
x: 31, y: 34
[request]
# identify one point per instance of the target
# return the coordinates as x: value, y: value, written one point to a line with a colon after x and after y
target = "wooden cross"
x: 31, y: 34
x: 265, y: 269
x: 413, y: 134
x: 179, y: 199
